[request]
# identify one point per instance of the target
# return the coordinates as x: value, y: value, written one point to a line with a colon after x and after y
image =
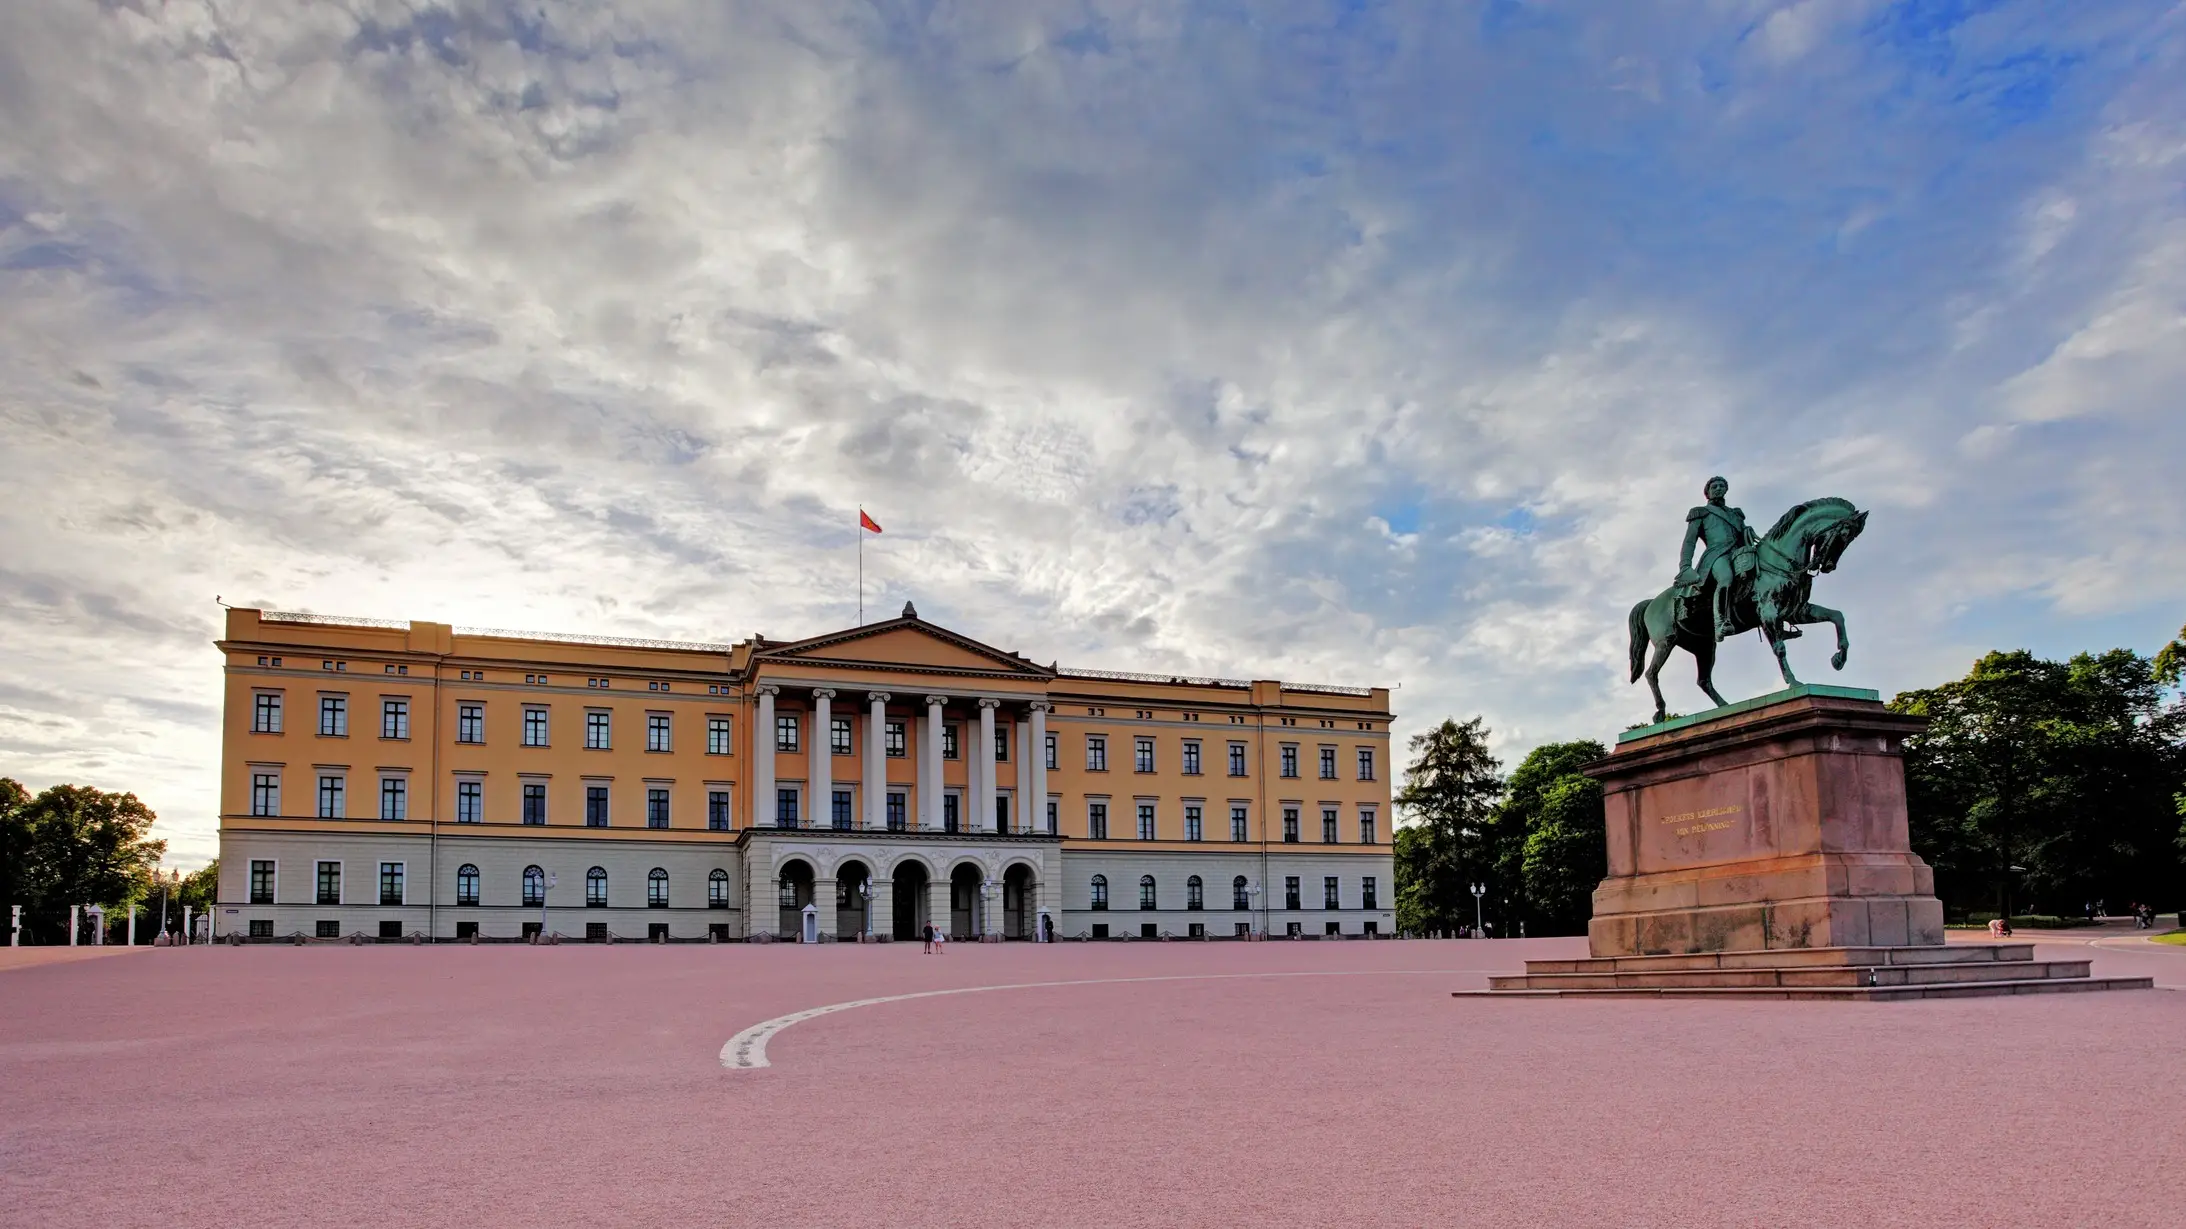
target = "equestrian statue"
x: 1743, y: 582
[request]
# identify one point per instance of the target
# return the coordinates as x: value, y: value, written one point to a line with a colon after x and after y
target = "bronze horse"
x: 1769, y: 593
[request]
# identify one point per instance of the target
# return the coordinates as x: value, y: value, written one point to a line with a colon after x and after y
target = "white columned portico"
x: 876, y: 761
x: 1037, y: 753
x: 983, y: 786
x: 820, y: 773
x: 1031, y: 810
x: 929, y: 763
x: 763, y: 813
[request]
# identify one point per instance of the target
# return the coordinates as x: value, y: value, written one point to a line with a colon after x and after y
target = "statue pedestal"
x: 1775, y: 823
x: 1760, y: 851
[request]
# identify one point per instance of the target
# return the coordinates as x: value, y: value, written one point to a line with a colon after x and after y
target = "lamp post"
x: 543, y: 905
x: 1480, y: 926
x: 865, y: 894
x: 2015, y: 870
x: 1253, y: 893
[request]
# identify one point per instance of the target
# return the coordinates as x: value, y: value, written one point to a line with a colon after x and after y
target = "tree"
x: 1450, y: 789
x: 2170, y: 663
x: 73, y: 845
x: 1548, y: 836
x: 2068, y: 770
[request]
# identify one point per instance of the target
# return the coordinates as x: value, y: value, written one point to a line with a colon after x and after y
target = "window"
x: 1191, y: 757
x: 1237, y: 759
x: 334, y: 716
x: 717, y: 810
x: 892, y: 737
x: 1366, y: 827
x: 261, y: 882
x: 656, y: 807
x: 898, y: 812
x: 535, y: 727
x: 948, y: 742
x: 595, y: 806
x: 785, y: 732
x: 785, y: 808
x: 1146, y: 892
x: 466, y: 884
x: 470, y: 802
x: 1195, y: 893
x: 1366, y: 763
x: 1054, y: 817
x: 394, y: 797
x: 331, y: 789
x: 717, y: 889
x: 1290, y: 825
x: 1001, y: 744
x: 1142, y: 755
x: 326, y: 928
x: 1330, y: 898
x: 1146, y: 821
x: 394, y: 719
x: 597, y: 731
x: 1238, y: 831
x: 656, y: 732
x: 1096, y: 753
x: 390, y: 883
x: 949, y: 812
x: 1367, y: 894
x: 785, y: 892
x: 470, y: 723
x: 261, y: 928
x: 595, y: 888
x: 1100, y: 891
x: 1328, y: 825
x: 535, y: 794
x: 1192, y: 824
x: 534, y: 886
x: 1052, y: 763
x: 838, y: 736
x: 265, y: 793
x: 1096, y: 820
x: 1290, y: 759
x: 1240, y: 893
x: 656, y: 888
x: 1328, y: 763
x: 265, y: 714
x: 839, y: 810
x: 1290, y: 892
x: 720, y: 736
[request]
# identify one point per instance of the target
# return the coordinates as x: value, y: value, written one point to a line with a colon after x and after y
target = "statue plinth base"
x: 1761, y: 850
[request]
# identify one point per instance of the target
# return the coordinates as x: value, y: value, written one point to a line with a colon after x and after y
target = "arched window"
x: 595, y: 888
x: 1240, y: 895
x: 656, y: 888
x: 1195, y: 896
x: 1146, y: 891
x: 1100, y: 891
x: 466, y: 884
x: 534, y: 886
x: 717, y: 889
x: 786, y: 892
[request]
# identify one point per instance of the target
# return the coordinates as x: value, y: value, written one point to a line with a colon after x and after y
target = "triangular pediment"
x: 907, y: 643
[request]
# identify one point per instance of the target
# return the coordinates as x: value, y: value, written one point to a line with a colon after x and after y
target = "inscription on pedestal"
x: 1692, y: 823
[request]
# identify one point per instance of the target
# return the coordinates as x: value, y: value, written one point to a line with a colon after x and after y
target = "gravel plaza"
x: 1184, y: 1083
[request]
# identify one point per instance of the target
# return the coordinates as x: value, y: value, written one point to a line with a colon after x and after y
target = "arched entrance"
x: 910, y: 900
x: 1017, y: 902
x: 793, y: 892
x: 850, y: 879
x: 964, y: 901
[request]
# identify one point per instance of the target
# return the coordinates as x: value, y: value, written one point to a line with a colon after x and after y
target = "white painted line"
x: 748, y: 1049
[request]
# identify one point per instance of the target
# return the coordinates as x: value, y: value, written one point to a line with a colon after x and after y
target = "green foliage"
x: 1450, y: 789
x: 1566, y: 856
x: 2070, y: 770
x: 72, y: 845
x: 2169, y: 666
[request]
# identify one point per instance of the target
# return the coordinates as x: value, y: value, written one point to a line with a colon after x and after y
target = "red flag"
x: 867, y: 522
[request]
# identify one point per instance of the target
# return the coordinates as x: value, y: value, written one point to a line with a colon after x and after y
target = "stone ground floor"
x: 791, y: 884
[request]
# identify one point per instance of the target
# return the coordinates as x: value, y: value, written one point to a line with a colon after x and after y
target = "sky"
x: 1360, y: 343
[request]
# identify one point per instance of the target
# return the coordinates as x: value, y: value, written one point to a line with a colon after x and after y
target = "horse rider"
x: 1724, y: 531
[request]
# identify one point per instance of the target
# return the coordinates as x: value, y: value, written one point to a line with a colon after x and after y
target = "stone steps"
x: 1788, y: 957
x: 1862, y: 973
x: 1798, y: 975
x: 1869, y: 994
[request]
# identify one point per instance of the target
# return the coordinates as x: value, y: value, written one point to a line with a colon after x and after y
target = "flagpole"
x: 861, y: 567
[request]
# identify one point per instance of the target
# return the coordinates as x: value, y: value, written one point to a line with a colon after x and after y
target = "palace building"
x: 393, y: 779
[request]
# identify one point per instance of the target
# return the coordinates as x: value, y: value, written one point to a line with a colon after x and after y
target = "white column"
x: 72, y: 924
x: 929, y: 759
x: 1037, y: 753
x: 1029, y: 812
x: 820, y: 775
x: 985, y: 762
x: 823, y: 895
x: 876, y: 761
x: 762, y: 760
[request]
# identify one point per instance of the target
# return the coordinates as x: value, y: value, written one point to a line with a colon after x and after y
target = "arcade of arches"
x: 967, y: 900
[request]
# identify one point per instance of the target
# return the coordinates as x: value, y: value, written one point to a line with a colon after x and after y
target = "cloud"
x: 1344, y: 343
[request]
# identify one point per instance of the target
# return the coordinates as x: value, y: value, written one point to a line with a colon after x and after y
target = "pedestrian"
x: 941, y: 941
x: 926, y: 932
